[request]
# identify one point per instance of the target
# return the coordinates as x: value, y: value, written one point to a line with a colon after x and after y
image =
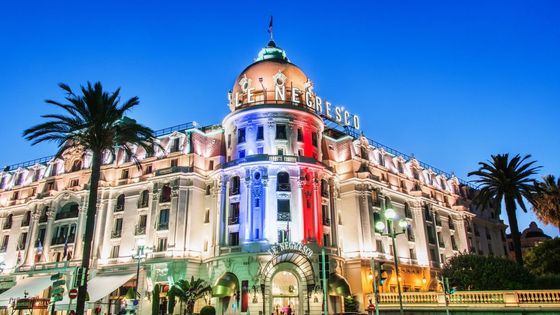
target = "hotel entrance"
x: 285, y: 294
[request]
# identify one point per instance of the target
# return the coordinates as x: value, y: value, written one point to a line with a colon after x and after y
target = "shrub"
x: 474, y: 272
x: 208, y: 310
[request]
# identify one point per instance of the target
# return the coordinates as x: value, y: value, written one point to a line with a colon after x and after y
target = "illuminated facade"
x: 247, y: 205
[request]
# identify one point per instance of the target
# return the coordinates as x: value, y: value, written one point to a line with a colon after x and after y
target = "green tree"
x: 351, y: 304
x: 188, y: 292
x: 475, y: 272
x: 509, y: 181
x: 544, y: 258
x: 92, y: 121
x: 546, y: 200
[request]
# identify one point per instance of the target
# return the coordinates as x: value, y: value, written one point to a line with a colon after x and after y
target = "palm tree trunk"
x: 88, y: 235
x: 512, y: 219
x: 190, y: 308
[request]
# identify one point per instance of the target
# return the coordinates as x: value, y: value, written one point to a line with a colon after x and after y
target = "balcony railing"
x: 284, y: 216
x: 233, y: 220
x: 116, y: 234
x: 163, y: 226
x: 174, y: 169
x: 283, y: 187
x: 272, y: 158
x: 61, y: 240
x: 7, y: 225
x: 140, y: 230
x: 326, y: 221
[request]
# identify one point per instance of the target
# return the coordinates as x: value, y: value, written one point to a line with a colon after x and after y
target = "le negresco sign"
x: 278, y: 249
x: 295, y: 96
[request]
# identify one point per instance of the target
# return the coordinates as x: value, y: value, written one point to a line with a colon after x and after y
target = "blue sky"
x: 451, y: 82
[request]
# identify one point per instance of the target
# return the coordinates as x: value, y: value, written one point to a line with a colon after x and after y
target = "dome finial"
x: 270, y: 32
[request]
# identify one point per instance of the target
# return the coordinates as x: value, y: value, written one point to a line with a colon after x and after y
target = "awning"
x: 32, y: 285
x: 226, y: 285
x: 98, y: 288
x: 338, y: 286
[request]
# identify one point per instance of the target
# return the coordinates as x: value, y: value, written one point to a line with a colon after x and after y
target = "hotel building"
x: 248, y: 205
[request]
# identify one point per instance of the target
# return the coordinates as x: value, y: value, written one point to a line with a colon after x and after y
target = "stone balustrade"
x: 549, y: 299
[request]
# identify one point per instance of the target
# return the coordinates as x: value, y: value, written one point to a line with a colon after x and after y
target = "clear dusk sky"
x: 450, y: 81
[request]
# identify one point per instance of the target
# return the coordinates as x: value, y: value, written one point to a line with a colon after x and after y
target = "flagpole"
x: 270, y: 29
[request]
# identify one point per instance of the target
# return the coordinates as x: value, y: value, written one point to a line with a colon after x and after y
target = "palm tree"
x: 546, y: 201
x: 502, y: 179
x: 93, y: 121
x: 187, y: 293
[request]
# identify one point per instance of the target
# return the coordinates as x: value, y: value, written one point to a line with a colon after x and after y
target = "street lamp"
x: 385, y: 225
x: 141, y: 252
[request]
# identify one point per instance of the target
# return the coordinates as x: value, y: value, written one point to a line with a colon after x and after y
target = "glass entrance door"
x: 285, y: 294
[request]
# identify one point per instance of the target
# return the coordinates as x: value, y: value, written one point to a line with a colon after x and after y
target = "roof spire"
x: 270, y: 30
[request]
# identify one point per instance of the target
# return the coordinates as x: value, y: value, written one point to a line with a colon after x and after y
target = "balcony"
x: 283, y: 187
x: 174, y: 169
x: 284, y: 216
x: 116, y: 234
x: 140, y: 230
x: 272, y: 158
x: 61, y: 240
x: 233, y: 220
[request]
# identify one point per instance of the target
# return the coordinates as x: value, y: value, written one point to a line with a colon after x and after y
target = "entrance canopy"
x: 98, y: 288
x: 338, y: 286
x: 226, y: 285
x: 33, y: 286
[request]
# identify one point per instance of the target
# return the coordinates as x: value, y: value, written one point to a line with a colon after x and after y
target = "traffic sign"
x: 72, y: 294
x: 56, y: 276
x: 56, y: 298
x: 58, y: 291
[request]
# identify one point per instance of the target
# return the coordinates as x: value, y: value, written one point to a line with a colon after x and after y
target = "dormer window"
x: 235, y: 185
x: 241, y: 135
x: 281, y: 132
x: 165, y: 194
x: 76, y: 166
x: 283, y: 182
x: 260, y: 132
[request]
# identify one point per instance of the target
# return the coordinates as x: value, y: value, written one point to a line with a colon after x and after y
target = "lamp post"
x: 385, y: 225
x: 141, y: 253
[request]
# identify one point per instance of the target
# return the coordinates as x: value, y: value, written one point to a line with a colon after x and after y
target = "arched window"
x: 443, y: 184
x: 388, y: 203
x: 120, y: 203
x: 144, y: 199
x: 324, y: 188
x: 234, y: 185
x: 407, y: 212
x: 44, y: 217
x: 76, y: 166
x: 381, y: 159
x: 165, y: 194
x: 69, y: 210
x: 9, y: 221
x: 364, y: 153
x: 451, y: 223
x: 283, y: 182
x: 415, y: 173
x: 26, y: 219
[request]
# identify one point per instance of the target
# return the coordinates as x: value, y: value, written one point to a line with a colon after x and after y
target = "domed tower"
x: 273, y: 170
